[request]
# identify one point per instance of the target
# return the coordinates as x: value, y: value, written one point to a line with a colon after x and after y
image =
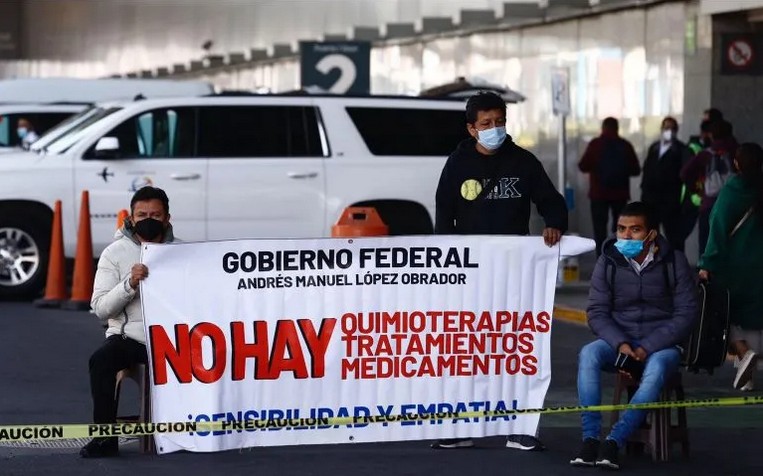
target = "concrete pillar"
x: 213, y: 61
x: 365, y: 33
x: 477, y: 17
x: 400, y: 30
x: 436, y: 24
x: 605, y: 3
x: 235, y: 58
x: 256, y: 54
x: 282, y: 49
x: 557, y: 7
x: 521, y: 11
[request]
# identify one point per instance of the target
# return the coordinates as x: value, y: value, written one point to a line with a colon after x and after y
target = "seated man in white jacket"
x: 116, y: 300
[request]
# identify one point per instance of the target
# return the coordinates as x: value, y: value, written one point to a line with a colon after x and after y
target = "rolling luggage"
x: 708, y: 343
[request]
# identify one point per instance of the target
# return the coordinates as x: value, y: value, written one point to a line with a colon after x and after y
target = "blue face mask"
x: 22, y: 132
x: 629, y: 248
x: 491, y: 139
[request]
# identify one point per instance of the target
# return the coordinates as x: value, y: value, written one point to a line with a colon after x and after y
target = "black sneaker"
x: 608, y: 455
x: 453, y: 444
x: 100, y: 448
x: 524, y: 442
x: 587, y: 454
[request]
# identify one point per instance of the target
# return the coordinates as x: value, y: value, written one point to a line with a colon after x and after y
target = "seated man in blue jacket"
x: 642, y: 303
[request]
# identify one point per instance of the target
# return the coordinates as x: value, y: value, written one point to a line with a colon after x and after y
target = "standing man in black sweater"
x: 488, y: 182
x: 486, y: 187
x: 661, y: 181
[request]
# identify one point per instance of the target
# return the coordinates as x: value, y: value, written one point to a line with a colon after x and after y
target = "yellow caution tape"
x: 70, y: 431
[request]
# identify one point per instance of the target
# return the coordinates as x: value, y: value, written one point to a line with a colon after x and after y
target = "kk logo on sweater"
x: 505, y: 188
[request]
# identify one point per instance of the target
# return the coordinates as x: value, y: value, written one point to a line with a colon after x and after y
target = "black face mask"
x: 149, y: 228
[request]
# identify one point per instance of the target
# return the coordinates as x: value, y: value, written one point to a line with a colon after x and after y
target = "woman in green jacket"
x: 734, y: 257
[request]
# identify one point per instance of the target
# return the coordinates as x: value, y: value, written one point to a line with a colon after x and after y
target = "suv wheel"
x: 23, y: 257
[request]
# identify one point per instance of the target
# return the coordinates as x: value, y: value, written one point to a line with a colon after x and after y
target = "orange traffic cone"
x: 82, y: 285
x: 55, y: 286
x: 121, y: 215
x: 359, y: 221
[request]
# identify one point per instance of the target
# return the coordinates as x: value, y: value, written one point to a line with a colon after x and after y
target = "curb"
x: 568, y: 314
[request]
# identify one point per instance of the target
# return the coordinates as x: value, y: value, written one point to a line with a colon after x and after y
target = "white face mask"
x: 667, y: 135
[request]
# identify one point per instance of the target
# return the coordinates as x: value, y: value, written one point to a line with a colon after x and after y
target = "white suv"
x: 232, y: 166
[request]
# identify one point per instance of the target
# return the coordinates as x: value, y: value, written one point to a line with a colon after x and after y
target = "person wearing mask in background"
x: 611, y: 161
x: 633, y: 312
x: 486, y: 188
x: 25, y: 131
x: 706, y: 173
x: 690, y: 201
x: 116, y: 301
x: 733, y: 258
x: 661, y: 181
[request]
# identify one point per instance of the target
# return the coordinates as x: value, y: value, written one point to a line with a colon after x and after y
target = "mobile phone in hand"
x: 628, y: 364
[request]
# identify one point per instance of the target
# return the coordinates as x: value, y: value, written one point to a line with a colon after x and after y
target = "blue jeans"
x: 598, y: 356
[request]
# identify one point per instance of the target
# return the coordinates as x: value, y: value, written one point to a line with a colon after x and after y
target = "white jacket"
x: 113, y: 298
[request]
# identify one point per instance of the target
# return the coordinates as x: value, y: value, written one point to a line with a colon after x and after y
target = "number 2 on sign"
x: 347, y: 70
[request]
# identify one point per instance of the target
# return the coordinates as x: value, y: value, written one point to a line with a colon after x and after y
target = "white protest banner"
x: 287, y: 329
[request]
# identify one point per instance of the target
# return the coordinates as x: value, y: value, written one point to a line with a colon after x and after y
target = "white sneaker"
x: 748, y: 387
x: 747, y: 365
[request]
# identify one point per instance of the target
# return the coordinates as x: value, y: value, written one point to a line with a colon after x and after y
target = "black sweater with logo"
x: 512, y: 178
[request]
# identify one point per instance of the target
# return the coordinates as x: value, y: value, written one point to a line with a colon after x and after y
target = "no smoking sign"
x: 740, y: 54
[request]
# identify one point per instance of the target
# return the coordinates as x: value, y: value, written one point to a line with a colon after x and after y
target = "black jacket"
x: 661, y: 181
x: 515, y: 178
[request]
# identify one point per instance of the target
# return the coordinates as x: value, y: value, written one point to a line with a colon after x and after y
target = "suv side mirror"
x: 106, y: 147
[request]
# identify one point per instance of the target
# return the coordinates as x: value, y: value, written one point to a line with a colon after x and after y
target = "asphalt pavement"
x: 43, y: 377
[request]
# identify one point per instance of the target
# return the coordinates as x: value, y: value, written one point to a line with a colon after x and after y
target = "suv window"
x: 259, y: 131
x: 400, y: 131
x: 72, y: 135
x: 41, y: 121
x: 161, y: 133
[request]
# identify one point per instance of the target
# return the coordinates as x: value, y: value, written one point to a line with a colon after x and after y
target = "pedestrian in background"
x: 734, y: 257
x: 661, y: 182
x: 706, y: 173
x: 611, y: 161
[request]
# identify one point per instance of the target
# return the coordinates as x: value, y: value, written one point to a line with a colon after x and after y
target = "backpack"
x: 717, y: 173
x: 612, y: 168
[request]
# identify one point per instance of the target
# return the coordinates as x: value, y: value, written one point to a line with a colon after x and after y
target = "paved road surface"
x: 44, y: 357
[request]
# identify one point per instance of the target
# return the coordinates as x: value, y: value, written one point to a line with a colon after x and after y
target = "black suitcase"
x: 708, y: 343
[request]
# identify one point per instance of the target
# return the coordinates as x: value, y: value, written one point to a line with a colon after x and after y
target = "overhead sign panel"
x: 336, y: 67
